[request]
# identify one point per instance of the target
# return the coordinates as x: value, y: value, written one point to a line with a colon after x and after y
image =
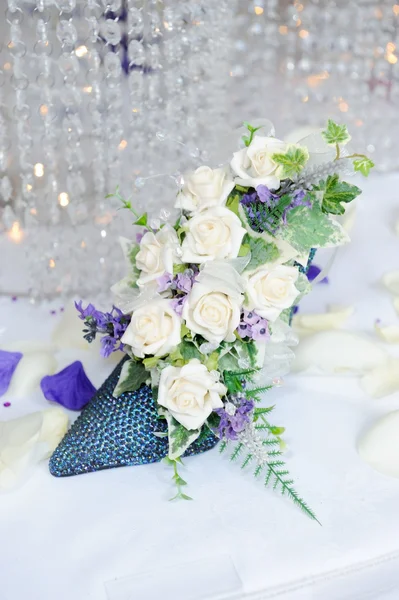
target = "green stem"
x: 338, y: 155
x: 356, y: 156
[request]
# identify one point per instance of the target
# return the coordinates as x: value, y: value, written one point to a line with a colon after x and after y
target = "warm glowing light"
x: 303, y: 34
x: 103, y: 233
x: 7, y: 66
x: 283, y: 29
x: 87, y: 89
x: 43, y: 110
x: 298, y: 23
x: 28, y: 187
x: 51, y: 263
x: 63, y: 199
x: 299, y: 7
x: 81, y: 51
x: 392, y: 59
x: 38, y: 170
x: 135, y: 110
x: 343, y: 106
x: 16, y: 234
x: 395, y: 9
x: 122, y: 145
x: 83, y: 244
x: 166, y: 25
x: 33, y: 211
x: 358, y: 122
x: 315, y: 80
x: 391, y: 47
x: 10, y: 45
x: 258, y: 10
x: 305, y: 98
x: 378, y: 13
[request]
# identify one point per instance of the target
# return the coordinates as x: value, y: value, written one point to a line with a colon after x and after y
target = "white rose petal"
x: 334, y: 318
x: 190, y: 393
x: 389, y: 333
x: 379, y: 446
x: 382, y: 380
x: 157, y: 255
x: 254, y: 165
x: 396, y: 304
x: 204, y: 188
x: 271, y: 289
x: 391, y: 282
x: 213, y: 307
x: 154, y: 329
x: 213, y: 234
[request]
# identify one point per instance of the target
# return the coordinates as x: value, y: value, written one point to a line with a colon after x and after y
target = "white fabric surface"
x: 63, y: 539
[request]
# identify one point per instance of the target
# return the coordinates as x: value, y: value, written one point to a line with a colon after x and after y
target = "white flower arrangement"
x: 207, y: 301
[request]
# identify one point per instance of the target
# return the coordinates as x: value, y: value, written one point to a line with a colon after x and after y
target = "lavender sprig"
x: 111, y: 325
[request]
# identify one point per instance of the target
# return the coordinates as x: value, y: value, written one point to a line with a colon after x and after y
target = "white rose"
x: 214, y: 233
x: 271, y: 289
x: 254, y: 165
x: 156, y: 255
x: 204, y: 188
x: 190, y: 393
x: 213, y: 307
x: 154, y: 329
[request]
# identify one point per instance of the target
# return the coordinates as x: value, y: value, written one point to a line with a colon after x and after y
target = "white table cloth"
x: 64, y: 539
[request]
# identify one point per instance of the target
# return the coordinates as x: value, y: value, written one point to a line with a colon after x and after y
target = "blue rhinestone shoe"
x: 117, y: 432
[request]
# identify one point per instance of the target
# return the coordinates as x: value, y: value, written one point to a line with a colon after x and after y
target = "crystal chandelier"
x: 94, y: 94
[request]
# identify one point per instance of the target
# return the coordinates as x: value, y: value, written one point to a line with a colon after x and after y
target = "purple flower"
x: 184, y: 281
x: 178, y: 304
x: 111, y: 324
x: 234, y: 418
x: 260, y: 331
x: 250, y: 317
x: 265, y: 195
x: 70, y: 387
x: 140, y: 235
x: 164, y: 282
x: 244, y: 330
x: 8, y: 363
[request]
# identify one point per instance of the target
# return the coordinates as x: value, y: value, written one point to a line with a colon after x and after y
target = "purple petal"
x: 70, y: 387
x: 8, y: 364
x: 313, y: 272
x: 164, y: 282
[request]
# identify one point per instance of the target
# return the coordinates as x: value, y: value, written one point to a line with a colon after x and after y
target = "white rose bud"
x: 154, y: 329
x: 271, y: 289
x: 255, y: 166
x: 213, y: 307
x: 157, y: 254
x: 204, y: 188
x: 190, y: 393
x: 213, y: 234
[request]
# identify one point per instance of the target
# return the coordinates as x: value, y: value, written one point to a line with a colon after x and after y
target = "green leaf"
x: 180, y: 438
x: 252, y: 130
x: 261, y: 253
x: 244, y: 249
x: 179, y: 268
x: 335, y: 134
x: 228, y: 362
x: 132, y: 376
x: 233, y: 202
x: 189, y: 351
x: 336, y: 192
x: 151, y: 362
x: 363, y: 165
x: 292, y: 161
x: 141, y: 220
x: 212, y: 361
x: 311, y: 228
x: 184, y: 330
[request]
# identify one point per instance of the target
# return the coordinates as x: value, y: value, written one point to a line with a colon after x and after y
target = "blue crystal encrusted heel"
x: 117, y: 432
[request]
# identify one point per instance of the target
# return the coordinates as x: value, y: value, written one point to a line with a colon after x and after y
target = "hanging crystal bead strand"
x: 7, y: 216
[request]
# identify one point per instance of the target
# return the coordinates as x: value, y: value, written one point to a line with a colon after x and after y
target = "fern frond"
x: 253, y: 393
x: 247, y: 460
x: 258, y: 470
x: 236, y: 452
x: 222, y: 447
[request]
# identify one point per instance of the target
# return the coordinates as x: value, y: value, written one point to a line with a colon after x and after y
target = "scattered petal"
x: 32, y: 367
x: 396, y: 304
x: 334, y: 318
x: 379, y: 446
x: 313, y: 272
x: 70, y: 387
x: 382, y: 380
x: 397, y: 227
x: 389, y: 333
x: 68, y: 332
x: 26, y: 441
x: 8, y: 364
x: 330, y: 352
x: 391, y: 282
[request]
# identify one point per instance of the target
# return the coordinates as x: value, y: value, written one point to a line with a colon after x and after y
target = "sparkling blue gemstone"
x: 117, y: 432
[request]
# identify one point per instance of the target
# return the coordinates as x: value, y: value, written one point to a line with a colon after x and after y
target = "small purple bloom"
x: 313, y: 272
x: 140, y: 235
x: 244, y: 330
x: 234, y: 419
x: 260, y: 331
x: 178, y: 304
x: 112, y: 325
x: 185, y: 281
x: 265, y: 195
x: 250, y: 317
x: 164, y: 282
x: 8, y: 363
x: 70, y: 387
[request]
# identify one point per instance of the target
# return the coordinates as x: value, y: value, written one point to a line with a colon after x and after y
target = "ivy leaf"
x: 151, y: 362
x: 179, y: 268
x: 179, y: 437
x: 363, y: 165
x: 312, y: 228
x: 335, y: 134
x: 336, y: 192
x: 132, y: 376
x: 141, y: 220
x: 189, y: 351
x: 262, y: 252
x: 292, y: 161
x: 233, y: 202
